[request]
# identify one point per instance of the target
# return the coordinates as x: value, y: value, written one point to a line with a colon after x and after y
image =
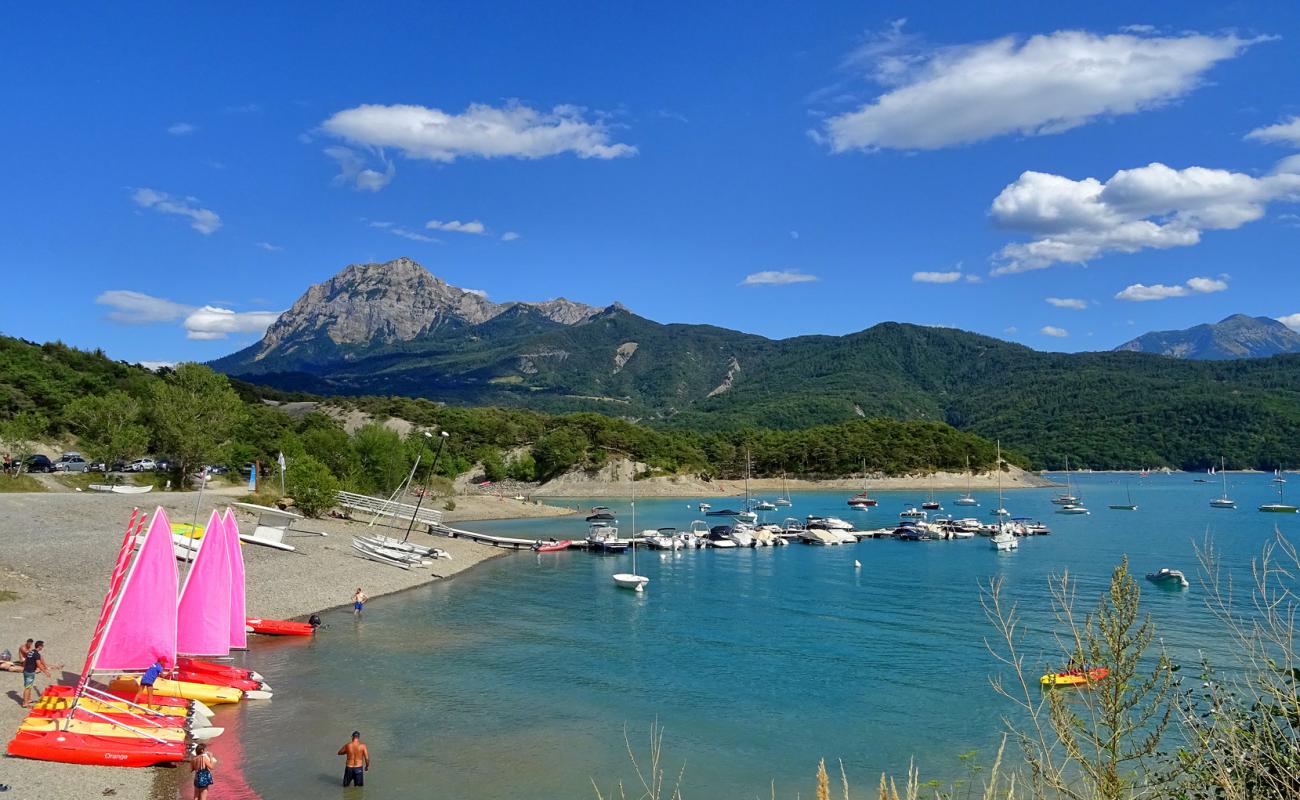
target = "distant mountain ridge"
x: 1237, y: 336
x: 394, y: 329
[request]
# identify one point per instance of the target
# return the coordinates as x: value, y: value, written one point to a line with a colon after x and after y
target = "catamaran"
x: 1224, y: 501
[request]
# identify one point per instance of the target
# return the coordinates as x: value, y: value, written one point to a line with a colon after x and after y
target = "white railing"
x: 389, y: 508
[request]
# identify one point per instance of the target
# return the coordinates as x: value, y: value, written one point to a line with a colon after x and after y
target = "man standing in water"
x: 358, y: 760
x: 358, y: 602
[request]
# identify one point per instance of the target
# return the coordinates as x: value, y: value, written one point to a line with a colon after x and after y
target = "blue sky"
x: 1062, y: 179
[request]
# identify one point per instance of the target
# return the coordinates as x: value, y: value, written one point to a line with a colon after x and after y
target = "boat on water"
x: 747, y: 517
x: 1074, y: 677
x: 742, y: 535
x: 723, y: 512
x: 551, y: 546
x: 1223, y: 501
x: 662, y: 539
x: 1277, y: 476
x: 703, y: 506
x: 784, y: 500
x: 930, y: 503
x: 601, y: 514
x: 631, y: 580
x: 1073, y: 508
x: 1129, y: 506
x: 967, y: 499
x: 1281, y: 506
x: 912, y: 512
x: 1169, y: 577
x: 1067, y: 498
x: 862, y: 501
x: 720, y: 536
x: 603, y: 538
x: 1005, y: 539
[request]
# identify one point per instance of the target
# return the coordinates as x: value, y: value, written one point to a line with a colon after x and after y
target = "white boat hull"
x: 626, y: 580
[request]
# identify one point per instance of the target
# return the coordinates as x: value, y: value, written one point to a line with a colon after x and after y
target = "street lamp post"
x: 442, y: 440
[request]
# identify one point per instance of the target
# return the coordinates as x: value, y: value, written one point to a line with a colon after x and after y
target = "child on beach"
x: 201, y: 765
x: 33, y: 662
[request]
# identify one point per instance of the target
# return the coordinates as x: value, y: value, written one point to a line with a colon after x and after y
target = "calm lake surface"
x: 519, y: 679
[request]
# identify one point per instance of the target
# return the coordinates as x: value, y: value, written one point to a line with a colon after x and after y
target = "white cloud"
x: 1068, y: 302
x: 482, y: 131
x: 202, y: 220
x: 510, y: 236
x: 181, y: 128
x: 206, y: 322
x: 1141, y: 293
x: 1287, y: 132
x: 1042, y: 85
x: 937, y: 277
x: 1138, y: 28
x: 456, y: 226
x: 1292, y: 321
x: 137, y: 308
x: 353, y: 169
x: 268, y: 247
x: 211, y: 322
x: 1011, y: 329
x: 1154, y: 206
x: 480, y: 292
x: 1052, y: 330
x: 773, y: 277
x: 794, y: 234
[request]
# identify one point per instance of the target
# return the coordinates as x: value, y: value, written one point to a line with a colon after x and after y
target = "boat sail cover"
x: 238, y: 627
x: 142, y: 624
x: 203, y: 614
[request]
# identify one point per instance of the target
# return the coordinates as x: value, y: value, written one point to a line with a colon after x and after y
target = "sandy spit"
x: 615, y: 480
x: 56, y: 552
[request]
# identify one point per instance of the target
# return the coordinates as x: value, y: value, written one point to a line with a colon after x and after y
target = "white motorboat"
x: 912, y: 512
x: 1169, y: 577
x: 747, y: 517
x: 1073, y: 508
x: 704, y: 506
x: 603, y: 538
x: 819, y: 536
x: 742, y: 535
x: 765, y: 505
x: 662, y: 539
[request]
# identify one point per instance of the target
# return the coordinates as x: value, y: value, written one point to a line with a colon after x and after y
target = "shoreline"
x: 59, y: 550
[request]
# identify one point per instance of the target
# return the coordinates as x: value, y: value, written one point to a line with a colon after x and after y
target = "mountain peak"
x: 1234, y: 336
x: 393, y: 301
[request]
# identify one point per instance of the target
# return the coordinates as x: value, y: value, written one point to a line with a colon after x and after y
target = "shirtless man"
x: 359, y: 599
x: 358, y: 760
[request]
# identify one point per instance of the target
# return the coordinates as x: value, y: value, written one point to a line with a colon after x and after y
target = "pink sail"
x: 142, y: 624
x: 238, y: 631
x: 203, y: 614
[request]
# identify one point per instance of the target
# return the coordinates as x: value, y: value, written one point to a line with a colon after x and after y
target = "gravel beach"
x: 56, y: 552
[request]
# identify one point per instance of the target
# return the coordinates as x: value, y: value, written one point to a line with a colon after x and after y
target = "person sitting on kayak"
x: 147, y: 679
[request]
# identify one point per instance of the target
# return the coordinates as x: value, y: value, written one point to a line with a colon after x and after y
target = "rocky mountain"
x: 397, y: 301
x: 396, y: 330
x: 1237, y: 336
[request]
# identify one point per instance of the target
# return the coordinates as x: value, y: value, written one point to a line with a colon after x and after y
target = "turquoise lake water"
x: 518, y: 679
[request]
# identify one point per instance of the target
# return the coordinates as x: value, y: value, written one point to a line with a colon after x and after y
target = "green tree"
x: 559, y: 451
x: 19, y: 434
x: 194, y: 412
x: 108, y: 426
x: 312, y: 486
x: 381, y: 461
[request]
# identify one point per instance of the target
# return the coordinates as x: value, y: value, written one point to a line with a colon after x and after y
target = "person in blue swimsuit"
x: 358, y: 602
x: 147, y: 679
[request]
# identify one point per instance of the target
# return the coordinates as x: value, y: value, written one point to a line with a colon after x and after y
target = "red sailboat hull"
x: 113, y: 751
x: 279, y: 627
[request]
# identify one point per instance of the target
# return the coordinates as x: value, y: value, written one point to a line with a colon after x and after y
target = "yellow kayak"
x: 212, y: 695
x: 1074, y: 677
x: 85, y: 727
x: 186, y: 529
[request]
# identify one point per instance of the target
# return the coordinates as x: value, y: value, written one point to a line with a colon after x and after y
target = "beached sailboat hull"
x: 279, y: 627
x: 114, y: 751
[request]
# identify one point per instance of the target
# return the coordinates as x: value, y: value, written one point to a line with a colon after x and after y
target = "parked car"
x: 163, y: 465
x: 38, y: 463
x: 142, y: 465
x: 217, y: 469
x: 70, y: 462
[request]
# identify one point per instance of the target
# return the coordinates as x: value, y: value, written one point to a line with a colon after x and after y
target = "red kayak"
x: 228, y: 670
x: 74, y: 748
x: 211, y: 679
x: 278, y: 627
x: 551, y: 547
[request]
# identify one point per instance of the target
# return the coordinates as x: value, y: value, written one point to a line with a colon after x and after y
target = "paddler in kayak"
x: 147, y: 679
x: 354, y: 770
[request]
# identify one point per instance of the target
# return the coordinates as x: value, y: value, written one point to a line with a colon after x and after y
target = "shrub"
x: 313, y: 487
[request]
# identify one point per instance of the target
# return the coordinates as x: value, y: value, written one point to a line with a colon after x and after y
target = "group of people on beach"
x: 30, y: 660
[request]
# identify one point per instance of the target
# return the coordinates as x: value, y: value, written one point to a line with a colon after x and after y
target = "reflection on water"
x: 519, y: 679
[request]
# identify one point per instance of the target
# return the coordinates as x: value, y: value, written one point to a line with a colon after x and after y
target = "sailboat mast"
x: 633, y: 536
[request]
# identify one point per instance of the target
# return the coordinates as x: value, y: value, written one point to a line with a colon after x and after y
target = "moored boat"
x: 552, y: 546
x: 1169, y: 577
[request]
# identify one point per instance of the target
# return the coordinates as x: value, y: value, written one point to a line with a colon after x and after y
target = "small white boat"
x: 1280, y: 507
x: 1004, y: 540
x: 764, y: 505
x: 628, y: 580
x: 704, y: 506
x: 1073, y: 508
x: 1169, y: 577
x: 662, y: 539
x: 1224, y: 501
x: 912, y: 512
x: 742, y: 535
x: 120, y: 488
x: 965, y: 500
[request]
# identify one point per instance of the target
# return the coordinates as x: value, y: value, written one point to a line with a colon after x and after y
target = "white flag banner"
x: 281, y: 460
